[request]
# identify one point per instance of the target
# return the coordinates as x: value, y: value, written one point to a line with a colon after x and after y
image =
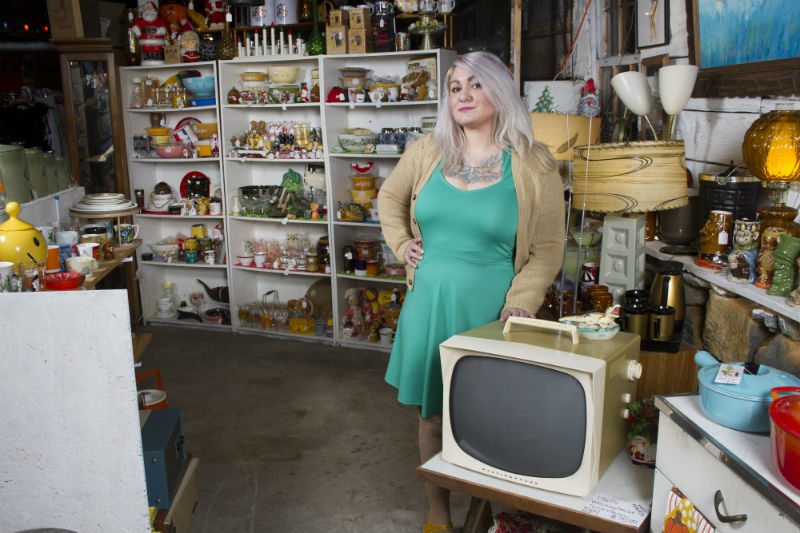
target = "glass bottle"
x: 316, y: 42
x: 314, y: 94
x: 150, y: 92
x: 304, y: 10
x: 227, y: 45
x: 137, y: 94
x: 168, y: 301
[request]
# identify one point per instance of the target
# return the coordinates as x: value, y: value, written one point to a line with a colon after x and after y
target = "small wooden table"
x: 623, y: 482
x: 104, y: 267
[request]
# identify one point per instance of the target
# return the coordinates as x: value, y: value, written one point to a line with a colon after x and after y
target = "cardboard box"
x: 172, y: 54
x: 359, y: 41
x: 179, y: 516
x: 337, y: 17
x: 336, y: 40
x: 427, y: 63
x: 360, y: 18
x: 73, y: 19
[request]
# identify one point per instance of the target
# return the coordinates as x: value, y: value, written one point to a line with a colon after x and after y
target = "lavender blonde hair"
x: 512, y: 122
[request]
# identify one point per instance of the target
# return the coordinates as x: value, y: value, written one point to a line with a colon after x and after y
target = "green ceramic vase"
x: 785, y: 277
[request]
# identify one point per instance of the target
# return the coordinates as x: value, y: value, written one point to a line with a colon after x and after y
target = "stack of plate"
x: 106, y: 201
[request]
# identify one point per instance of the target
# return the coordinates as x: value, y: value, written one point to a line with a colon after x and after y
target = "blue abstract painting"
x: 746, y: 31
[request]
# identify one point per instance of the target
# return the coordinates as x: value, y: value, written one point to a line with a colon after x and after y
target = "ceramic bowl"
x: 364, y: 182
x: 198, y: 102
x: 157, y: 131
x: 245, y: 259
x: 164, y: 251
x: 363, y: 195
x: 200, y: 86
x: 357, y: 143
x: 590, y: 236
x: 160, y: 140
x: 64, y: 281
x: 169, y: 152
x: 283, y: 74
x: 253, y: 76
x: 204, y: 130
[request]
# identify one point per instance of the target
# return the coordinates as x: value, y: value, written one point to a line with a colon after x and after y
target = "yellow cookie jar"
x: 19, y: 241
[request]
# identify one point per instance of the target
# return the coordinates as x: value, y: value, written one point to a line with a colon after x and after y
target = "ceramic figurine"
x: 742, y: 260
x: 785, y: 276
x: 765, y: 262
x: 190, y: 44
x: 794, y: 298
x: 714, y: 239
x: 151, y: 30
x: 216, y: 14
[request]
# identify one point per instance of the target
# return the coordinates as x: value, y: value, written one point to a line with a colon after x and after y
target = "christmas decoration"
x: 589, y: 105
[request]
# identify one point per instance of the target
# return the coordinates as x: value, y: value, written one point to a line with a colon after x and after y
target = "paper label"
x: 620, y: 511
x: 731, y: 374
x: 723, y: 237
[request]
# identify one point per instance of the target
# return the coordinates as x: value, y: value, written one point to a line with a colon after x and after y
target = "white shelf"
x: 398, y: 281
x: 175, y: 161
x: 374, y: 105
x: 189, y: 322
x: 285, y: 160
x: 284, y: 107
x: 179, y: 217
x: 286, y: 335
x: 183, y: 265
x: 350, y: 343
x: 282, y: 221
x: 187, y: 109
x: 351, y: 155
x: 718, y: 277
x: 375, y: 225
x: 280, y: 271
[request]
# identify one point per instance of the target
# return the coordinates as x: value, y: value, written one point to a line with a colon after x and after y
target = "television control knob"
x: 626, y: 398
x: 634, y: 370
x: 626, y: 414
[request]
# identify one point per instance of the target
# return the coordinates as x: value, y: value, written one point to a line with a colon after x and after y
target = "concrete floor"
x: 291, y: 436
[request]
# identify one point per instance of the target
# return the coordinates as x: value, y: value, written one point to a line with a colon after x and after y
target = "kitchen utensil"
x: 667, y: 289
x: 661, y: 323
x: 784, y: 433
x: 218, y: 294
x: 743, y: 406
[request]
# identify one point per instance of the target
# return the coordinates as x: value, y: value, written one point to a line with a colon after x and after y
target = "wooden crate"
x: 337, y: 39
x: 359, y: 41
x: 360, y: 19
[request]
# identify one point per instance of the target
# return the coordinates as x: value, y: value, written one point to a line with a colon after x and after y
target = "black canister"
x: 730, y: 190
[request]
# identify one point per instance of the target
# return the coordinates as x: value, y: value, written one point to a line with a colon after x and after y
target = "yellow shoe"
x: 436, y: 528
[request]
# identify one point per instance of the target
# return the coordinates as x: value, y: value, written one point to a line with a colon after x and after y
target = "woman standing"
x: 476, y: 211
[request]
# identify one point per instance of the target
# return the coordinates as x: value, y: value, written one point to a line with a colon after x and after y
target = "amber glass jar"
x: 780, y: 216
x: 771, y: 146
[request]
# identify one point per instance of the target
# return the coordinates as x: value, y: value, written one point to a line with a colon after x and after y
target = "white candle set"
x: 256, y: 44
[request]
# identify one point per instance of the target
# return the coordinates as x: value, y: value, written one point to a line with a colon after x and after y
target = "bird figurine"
x: 589, y: 105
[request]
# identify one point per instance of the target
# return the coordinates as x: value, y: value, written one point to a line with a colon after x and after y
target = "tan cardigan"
x: 540, y: 232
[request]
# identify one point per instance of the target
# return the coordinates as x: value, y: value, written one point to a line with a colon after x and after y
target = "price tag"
x: 285, y: 220
x: 620, y: 511
x: 731, y: 374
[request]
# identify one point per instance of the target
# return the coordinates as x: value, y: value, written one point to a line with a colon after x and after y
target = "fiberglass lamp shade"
x: 771, y: 147
x: 675, y: 86
x: 634, y: 91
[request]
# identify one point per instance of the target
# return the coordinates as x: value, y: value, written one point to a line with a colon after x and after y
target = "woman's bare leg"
x: 430, y: 443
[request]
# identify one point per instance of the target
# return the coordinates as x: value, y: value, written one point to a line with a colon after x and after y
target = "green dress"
x: 461, y: 282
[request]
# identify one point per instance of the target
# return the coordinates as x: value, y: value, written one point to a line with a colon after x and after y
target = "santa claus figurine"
x: 589, y: 105
x: 216, y: 14
x: 151, y: 31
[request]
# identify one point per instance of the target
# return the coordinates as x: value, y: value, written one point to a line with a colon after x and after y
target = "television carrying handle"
x: 544, y: 324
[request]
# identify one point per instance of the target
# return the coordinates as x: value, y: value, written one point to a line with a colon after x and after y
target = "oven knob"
x: 626, y: 398
x: 634, y: 371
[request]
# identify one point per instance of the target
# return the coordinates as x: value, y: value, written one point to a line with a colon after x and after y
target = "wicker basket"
x: 632, y: 177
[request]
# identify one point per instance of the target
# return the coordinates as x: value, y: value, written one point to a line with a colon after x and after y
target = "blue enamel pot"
x: 743, y: 406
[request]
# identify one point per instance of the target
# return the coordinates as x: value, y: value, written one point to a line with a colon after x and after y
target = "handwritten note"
x: 620, y: 511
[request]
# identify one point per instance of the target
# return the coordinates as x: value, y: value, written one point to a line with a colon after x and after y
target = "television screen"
x: 522, y: 418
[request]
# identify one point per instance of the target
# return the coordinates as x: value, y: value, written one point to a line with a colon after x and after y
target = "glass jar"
x: 137, y: 94
x: 311, y: 262
x: 167, y: 301
x: 323, y: 257
x: 150, y: 92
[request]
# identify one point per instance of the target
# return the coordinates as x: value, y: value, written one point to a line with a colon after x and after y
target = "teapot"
x: 19, y: 241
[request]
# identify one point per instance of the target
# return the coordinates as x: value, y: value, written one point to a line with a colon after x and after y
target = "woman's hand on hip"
x: 514, y: 311
x: 414, y: 252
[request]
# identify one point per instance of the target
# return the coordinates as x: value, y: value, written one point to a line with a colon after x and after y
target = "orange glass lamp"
x: 771, y: 150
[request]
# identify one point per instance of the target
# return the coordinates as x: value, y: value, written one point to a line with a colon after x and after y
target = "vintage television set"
x: 532, y: 403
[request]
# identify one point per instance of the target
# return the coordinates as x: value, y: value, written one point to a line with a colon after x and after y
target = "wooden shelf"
x: 718, y: 278
x: 104, y: 267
